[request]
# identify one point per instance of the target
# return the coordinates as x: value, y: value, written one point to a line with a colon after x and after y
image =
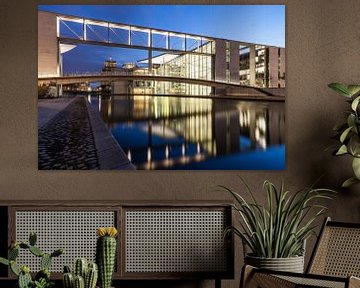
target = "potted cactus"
x: 42, y: 278
x: 85, y: 275
x: 106, y: 254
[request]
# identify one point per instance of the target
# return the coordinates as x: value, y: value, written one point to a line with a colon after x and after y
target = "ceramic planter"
x: 291, y: 264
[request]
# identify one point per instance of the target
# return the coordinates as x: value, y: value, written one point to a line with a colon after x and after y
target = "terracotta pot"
x: 291, y: 264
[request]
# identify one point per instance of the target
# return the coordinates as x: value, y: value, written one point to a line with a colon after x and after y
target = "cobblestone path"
x: 66, y: 141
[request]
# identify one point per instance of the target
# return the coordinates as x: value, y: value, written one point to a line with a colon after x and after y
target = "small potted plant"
x: 42, y: 278
x: 348, y: 132
x: 276, y: 233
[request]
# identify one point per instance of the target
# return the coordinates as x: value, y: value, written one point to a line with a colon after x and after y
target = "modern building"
x: 170, y: 54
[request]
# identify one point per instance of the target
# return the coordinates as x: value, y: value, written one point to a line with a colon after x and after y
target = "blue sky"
x: 264, y: 24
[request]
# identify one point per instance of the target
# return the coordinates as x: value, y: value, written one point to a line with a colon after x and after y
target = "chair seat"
x: 336, y: 253
x: 263, y: 278
x: 314, y: 282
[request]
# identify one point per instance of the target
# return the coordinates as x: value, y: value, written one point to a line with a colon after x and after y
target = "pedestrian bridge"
x: 126, y: 76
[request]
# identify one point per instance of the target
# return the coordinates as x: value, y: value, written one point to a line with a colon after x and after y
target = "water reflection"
x: 159, y: 132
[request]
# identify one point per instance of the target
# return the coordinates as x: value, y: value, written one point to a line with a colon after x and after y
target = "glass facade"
x: 261, y: 67
x: 244, y: 65
x: 191, y: 66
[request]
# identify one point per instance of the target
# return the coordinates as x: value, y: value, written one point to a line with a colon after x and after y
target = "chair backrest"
x: 337, y: 251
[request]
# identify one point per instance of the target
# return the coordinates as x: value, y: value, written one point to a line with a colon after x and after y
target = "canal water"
x: 161, y: 132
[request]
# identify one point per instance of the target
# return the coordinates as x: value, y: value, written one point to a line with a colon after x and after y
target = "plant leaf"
x: 4, y: 261
x: 351, y: 120
x: 340, y: 88
x: 354, y: 145
x: 355, y: 103
x: 345, y: 134
x: 349, y: 182
x: 342, y: 150
x: 356, y: 167
x: 353, y: 89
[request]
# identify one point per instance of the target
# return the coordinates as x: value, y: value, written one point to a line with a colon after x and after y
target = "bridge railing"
x: 129, y: 73
x: 117, y: 73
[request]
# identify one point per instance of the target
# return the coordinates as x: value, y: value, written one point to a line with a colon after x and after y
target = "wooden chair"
x: 334, y: 263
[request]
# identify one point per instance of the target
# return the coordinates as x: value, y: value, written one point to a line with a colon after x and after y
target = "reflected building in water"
x: 174, y: 132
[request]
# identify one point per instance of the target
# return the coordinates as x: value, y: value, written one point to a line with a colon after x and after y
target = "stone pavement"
x: 48, y: 108
x: 65, y: 142
x: 72, y: 136
x: 111, y: 156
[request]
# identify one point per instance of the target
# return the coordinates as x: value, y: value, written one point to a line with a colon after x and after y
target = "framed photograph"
x: 161, y: 87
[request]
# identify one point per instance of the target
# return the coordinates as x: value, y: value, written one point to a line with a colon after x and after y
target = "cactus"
x: 57, y: 252
x: 67, y: 269
x: 4, y: 261
x: 24, y: 279
x: 91, y: 276
x: 45, y: 261
x: 42, y: 278
x: 32, y: 239
x: 105, y: 254
x: 90, y: 272
x: 44, y: 273
x: 13, y: 253
x: 36, y: 251
x: 80, y: 267
x: 24, y: 245
x: 68, y: 280
x: 79, y: 282
x: 14, y: 268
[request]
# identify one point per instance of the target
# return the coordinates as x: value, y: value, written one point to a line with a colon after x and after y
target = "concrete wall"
x: 234, y: 62
x: 252, y: 65
x: 322, y: 46
x: 273, y: 67
x: 282, y: 67
x: 120, y: 87
x: 47, y: 44
x: 220, y: 60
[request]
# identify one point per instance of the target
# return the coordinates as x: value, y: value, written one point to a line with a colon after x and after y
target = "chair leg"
x: 354, y: 282
x: 246, y: 273
x: 251, y: 279
x: 217, y: 283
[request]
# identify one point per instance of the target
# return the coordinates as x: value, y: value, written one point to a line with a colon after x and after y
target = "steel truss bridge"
x: 78, y: 30
x: 72, y: 30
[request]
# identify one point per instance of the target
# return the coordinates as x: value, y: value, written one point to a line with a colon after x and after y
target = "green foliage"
x: 32, y: 239
x: 280, y: 229
x: 80, y: 267
x: 91, y: 276
x: 4, y: 261
x: 42, y: 283
x: 85, y: 275
x: 24, y: 279
x: 105, y: 259
x: 42, y: 278
x: 349, y: 131
x: 79, y: 282
x: 36, y: 251
x: 45, y: 261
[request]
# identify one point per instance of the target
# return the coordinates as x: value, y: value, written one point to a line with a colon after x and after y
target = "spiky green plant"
x: 85, y: 274
x: 279, y: 229
x: 348, y: 133
x: 106, y: 254
x: 42, y: 278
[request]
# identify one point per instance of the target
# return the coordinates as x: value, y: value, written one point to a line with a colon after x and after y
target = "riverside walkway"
x: 72, y: 136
